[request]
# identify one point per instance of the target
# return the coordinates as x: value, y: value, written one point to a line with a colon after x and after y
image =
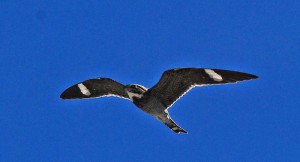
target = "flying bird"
x: 156, y: 101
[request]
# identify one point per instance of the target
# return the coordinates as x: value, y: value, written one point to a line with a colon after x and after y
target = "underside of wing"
x: 92, y: 88
x: 176, y: 82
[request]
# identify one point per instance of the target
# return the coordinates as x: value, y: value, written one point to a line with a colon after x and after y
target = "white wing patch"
x: 212, y: 74
x: 84, y: 90
x: 131, y: 95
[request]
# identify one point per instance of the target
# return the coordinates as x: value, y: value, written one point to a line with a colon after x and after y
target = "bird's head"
x: 135, y: 91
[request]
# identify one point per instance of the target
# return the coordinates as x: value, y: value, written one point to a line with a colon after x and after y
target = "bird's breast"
x: 150, y: 105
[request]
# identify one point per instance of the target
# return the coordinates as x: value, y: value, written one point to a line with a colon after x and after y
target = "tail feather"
x: 177, y: 129
x: 166, y: 119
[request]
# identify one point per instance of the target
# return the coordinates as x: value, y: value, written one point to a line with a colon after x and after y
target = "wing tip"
x: 251, y: 76
x: 64, y: 95
x: 254, y: 76
x: 72, y: 92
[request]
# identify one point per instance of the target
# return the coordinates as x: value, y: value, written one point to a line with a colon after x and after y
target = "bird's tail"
x: 177, y: 129
x: 171, y: 124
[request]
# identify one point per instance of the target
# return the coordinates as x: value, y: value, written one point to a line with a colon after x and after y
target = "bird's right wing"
x: 175, y: 83
x: 92, y: 88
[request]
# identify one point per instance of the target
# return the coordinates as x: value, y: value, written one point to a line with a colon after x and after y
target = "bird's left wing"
x: 175, y: 83
x: 92, y: 88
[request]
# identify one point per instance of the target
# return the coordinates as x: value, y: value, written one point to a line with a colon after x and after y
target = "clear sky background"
x: 47, y: 46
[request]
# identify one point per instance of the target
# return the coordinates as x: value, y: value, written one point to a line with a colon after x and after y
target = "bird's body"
x: 154, y: 107
x: 155, y: 101
x: 149, y: 104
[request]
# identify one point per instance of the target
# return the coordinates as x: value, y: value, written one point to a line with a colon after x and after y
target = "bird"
x: 156, y: 101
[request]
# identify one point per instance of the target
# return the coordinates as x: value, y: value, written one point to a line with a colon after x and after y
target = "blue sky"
x: 47, y: 46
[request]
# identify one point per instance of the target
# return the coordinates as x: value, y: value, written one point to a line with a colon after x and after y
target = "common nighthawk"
x: 157, y: 100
